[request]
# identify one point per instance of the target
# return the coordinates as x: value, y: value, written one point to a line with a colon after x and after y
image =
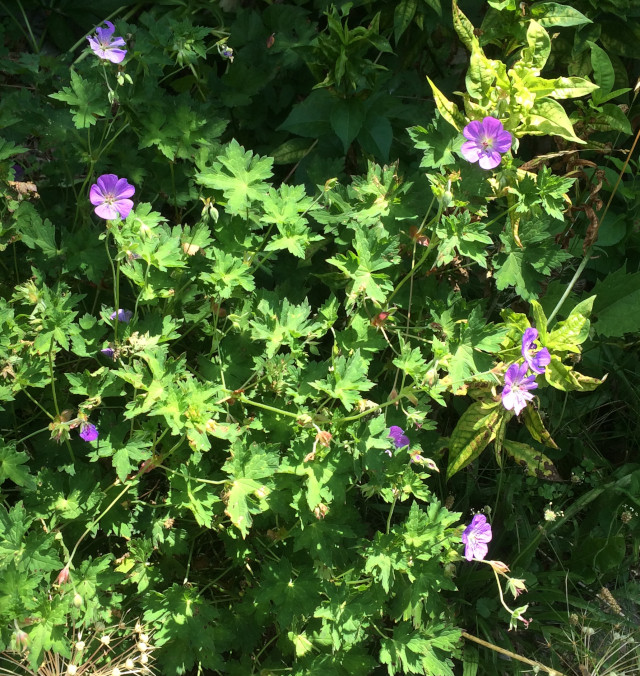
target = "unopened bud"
x: 77, y: 600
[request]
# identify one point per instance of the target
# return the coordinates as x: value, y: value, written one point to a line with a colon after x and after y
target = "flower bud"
x: 63, y: 575
x: 77, y: 600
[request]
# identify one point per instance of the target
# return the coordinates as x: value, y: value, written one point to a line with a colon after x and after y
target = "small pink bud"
x: 63, y: 575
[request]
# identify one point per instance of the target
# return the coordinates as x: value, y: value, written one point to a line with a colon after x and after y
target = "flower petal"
x: 473, y: 130
x: 106, y: 211
x: 471, y: 151
x: 123, y: 189
x: 124, y: 207
x: 490, y: 160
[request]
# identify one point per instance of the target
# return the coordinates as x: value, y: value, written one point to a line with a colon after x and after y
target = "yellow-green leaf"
x: 574, y: 330
x: 537, y: 464
x: 447, y: 108
x: 476, y: 429
x: 536, y: 427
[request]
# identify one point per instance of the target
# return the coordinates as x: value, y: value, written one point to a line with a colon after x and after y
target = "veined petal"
x: 123, y: 189
x: 106, y: 211
x: 473, y: 130
x: 124, y: 207
x: 471, y: 151
x: 490, y: 159
x: 492, y: 126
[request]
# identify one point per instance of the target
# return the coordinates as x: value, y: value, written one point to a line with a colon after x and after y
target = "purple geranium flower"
x: 475, y: 538
x: 536, y: 360
x: 110, y: 196
x: 486, y: 140
x: 400, y: 439
x: 123, y: 316
x: 88, y: 432
x: 108, y: 351
x: 106, y: 48
x: 515, y: 393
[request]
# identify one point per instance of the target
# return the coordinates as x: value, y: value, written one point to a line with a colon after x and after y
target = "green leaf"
x: 240, y: 176
x: 550, y: 14
x: 460, y: 236
x: 12, y: 466
x: 9, y: 149
x: 227, y: 274
x: 574, y: 330
x: 311, y: 117
x: 86, y: 99
x: 402, y: 17
x: 250, y: 468
x: 187, y: 492
x: 347, y: 380
x: 603, y: 72
x: 615, y: 294
x: 36, y: 233
x: 347, y: 116
x: 564, y: 378
x: 376, y: 135
x: 438, y: 141
x: 475, y: 430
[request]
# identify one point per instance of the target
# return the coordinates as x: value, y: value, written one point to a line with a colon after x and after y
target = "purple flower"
x: 400, y: 439
x: 515, y: 393
x: 123, y: 316
x: 536, y: 360
x: 110, y: 196
x: 106, y: 48
x: 108, y: 351
x: 475, y: 538
x: 486, y: 140
x: 88, y: 432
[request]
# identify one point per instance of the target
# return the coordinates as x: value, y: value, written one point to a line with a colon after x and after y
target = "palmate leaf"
x: 240, y: 176
x: 347, y: 380
x: 86, y: 99
x: 12, y: 466
x: 615, y: 294
x: 250, y: 468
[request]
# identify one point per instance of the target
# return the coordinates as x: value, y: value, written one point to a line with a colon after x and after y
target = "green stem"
x: 393, y: 506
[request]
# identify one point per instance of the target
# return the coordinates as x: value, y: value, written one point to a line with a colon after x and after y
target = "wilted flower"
x: 110, y: 196
x: 21, y: 639
x: 108, y: 352
x: 106, y: 48
x: 535, y: 360
x: 475, y: 538
x: 515, y: 393
x: 88, y: 432
x: 486, y: 140
x: 124, y: 316
x: 400, y: 439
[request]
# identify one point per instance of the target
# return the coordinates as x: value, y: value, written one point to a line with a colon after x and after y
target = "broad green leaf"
x: 347, y: 116
x: 376, y: 135
x: 561, y: 87
x: 548, y: 118
x: 402, y: 17
x: 616, y: 295
x: 603, y: 72
x: 311, y: 117
x: 475, y: 430
x: 534, y: 424
x: 549, y: 14
x: 574, y: 330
